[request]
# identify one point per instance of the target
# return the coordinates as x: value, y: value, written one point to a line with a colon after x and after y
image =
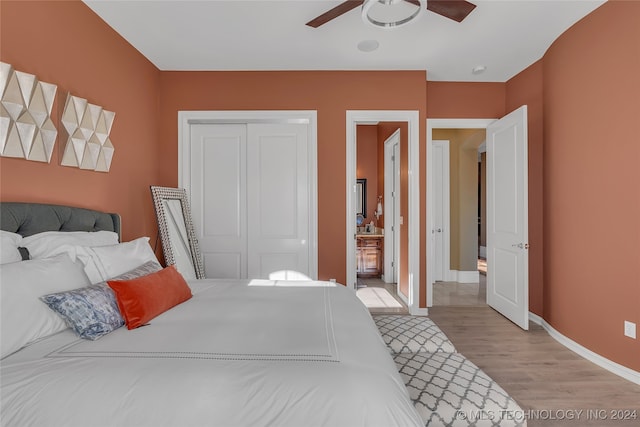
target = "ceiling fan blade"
x: 335, y: 12
x: 452, y: 9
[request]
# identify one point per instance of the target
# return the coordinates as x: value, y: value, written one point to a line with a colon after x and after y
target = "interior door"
x: 392, y: 208
x: 278, y: 201
x: 218, y: 197
x: 440, y: 226
x: 396, y: 217
x: 507, y: 217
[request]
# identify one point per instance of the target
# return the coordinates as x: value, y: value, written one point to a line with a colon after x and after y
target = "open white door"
x: 440, y: 227
x: 507, y: 217
x: 392, y: 209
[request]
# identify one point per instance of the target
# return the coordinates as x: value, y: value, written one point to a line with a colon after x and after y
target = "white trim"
x: 603, y: 362
x: 403, y: 298
x: 463, y: 276
x: 412, y: 117
x: 431, y: 125
x: 310, y: 117
x: 420, y: 312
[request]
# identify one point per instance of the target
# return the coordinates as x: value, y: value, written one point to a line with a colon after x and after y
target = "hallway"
x: 460, y: 294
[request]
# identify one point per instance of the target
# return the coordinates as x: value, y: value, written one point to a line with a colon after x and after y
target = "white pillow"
x: 9, y: 243
x: 23, y: 317
x: 51, y: 243
x: 102, y: 263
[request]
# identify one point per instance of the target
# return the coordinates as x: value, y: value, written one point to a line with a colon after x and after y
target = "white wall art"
x: 26, y: 128
x: 87, y: 127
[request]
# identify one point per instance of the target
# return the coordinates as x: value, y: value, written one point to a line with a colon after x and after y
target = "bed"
x: 235, y: 353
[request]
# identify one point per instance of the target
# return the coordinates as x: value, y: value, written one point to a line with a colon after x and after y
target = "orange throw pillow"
x: 146, y: 297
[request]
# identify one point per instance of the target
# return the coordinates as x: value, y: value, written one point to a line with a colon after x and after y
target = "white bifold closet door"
x: 250, y: 199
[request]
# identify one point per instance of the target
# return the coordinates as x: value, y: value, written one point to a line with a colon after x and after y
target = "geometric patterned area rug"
x: 448, y: 390
x: 412, y: 334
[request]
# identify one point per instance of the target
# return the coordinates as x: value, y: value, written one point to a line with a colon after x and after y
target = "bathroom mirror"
x: 361, y: 197
x: 179, y: 244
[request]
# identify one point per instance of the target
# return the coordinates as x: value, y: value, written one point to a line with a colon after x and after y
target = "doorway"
x: 455, y: 231
x: 507, y: 211
x: 411, y: 220
x: 379, y: 158
x: 459, y: 280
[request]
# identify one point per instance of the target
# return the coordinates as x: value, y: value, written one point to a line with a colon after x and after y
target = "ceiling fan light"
x: 391, y: 13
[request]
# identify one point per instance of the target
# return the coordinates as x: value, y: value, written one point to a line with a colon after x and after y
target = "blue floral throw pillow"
x: 92, y: 311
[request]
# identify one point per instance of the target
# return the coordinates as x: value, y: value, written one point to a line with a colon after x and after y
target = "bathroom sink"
x: 375, y: 232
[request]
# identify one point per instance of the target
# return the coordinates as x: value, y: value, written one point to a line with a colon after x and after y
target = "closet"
x: 252, y: 187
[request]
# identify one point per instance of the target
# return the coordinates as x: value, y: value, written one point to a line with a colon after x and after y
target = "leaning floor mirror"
x: 179, y: 244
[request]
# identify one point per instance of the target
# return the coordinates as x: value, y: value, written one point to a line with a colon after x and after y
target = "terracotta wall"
x: 381, y: 177
x: 458, y: 100
x: 592, y: 181
x: 66, y: 44
x: 367, y: 166
x: 331, y: 93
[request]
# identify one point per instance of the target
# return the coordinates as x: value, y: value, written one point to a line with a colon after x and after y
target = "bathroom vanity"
x: 369, y: 254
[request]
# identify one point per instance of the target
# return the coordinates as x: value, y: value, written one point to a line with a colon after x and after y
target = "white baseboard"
x: 419, y: 311
x: 483, y: 252
x: 609, y: 365
x: 403, y: 297
x: 463, y: 276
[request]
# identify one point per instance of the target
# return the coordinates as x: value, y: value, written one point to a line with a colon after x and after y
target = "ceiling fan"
x: 452, y: 9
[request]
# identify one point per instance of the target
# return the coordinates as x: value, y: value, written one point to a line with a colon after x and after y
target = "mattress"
x: 239, y: 353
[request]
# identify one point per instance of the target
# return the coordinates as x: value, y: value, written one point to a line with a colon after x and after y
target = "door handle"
x: 521, y: 245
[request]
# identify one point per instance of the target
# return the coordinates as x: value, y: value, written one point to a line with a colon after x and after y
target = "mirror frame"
x: 361, y: 196
x: 159, y: 195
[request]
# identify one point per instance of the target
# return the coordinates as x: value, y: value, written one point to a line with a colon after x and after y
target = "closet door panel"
x: 278, y: 200
x: 218, y: 191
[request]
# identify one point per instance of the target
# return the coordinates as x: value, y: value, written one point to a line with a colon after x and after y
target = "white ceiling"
x: 505, y: 36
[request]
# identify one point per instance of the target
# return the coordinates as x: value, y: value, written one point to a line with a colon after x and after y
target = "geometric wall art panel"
x: 26, y: 128
x: 87, y: 127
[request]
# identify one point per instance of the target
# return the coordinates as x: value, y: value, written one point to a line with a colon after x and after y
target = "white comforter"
x: 237, y: 354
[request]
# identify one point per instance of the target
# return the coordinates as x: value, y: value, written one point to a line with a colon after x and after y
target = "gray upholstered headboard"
x: 32, y: 218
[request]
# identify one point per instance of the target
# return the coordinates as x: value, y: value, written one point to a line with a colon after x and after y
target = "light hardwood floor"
x: 454, y: 293
x: 544, y: 377
x: 549, y: 381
